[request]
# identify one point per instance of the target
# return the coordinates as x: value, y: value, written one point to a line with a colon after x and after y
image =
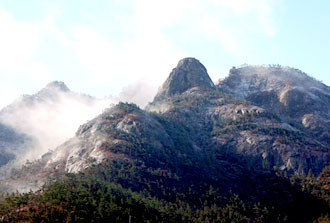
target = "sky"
x: 102, y: 47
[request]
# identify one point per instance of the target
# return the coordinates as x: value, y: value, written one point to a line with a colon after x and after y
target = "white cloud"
x: 149, y: 52
x: 214, y: 29
x: 8, y: 94
x: 261, y: 8
x: 51, y: 122
x: 18, y: 42
x: 19, y: 46
x: 220, y: 20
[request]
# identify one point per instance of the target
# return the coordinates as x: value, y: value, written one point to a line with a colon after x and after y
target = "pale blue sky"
x: 100, y: 47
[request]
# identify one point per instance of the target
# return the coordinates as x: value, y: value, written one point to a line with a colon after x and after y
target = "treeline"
x: 95, y: 196
x: 115, y: 191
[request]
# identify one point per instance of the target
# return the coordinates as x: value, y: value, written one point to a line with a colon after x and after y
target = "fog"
x: 52, y: 116
x: 140, y: 93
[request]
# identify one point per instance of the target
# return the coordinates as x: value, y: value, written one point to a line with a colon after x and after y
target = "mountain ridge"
x: 197, y: 148
x: 232, y: 124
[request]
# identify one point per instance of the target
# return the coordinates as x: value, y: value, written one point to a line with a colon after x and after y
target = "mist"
x: 52, y: 116
x: 141, y: 93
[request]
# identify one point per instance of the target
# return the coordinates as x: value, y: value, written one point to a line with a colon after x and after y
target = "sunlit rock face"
x: 287, y: 92
x: 246, y: 80
x: 187, y: 74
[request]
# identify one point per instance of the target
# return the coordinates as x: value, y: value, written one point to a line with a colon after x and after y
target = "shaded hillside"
x: 10, y: 143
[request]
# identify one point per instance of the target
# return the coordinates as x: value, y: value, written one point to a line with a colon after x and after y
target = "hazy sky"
x: 99, y: 47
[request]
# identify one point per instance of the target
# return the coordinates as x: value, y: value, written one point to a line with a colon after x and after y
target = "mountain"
x: 35, y: 123
x: 191, y: 151
x: 253, y: 112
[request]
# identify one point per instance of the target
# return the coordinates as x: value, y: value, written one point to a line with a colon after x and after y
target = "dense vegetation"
x: 115, y: 190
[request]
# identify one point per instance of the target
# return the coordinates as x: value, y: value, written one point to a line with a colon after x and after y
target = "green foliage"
x: 114, y: 191
x: 83, y: 198
x: 128, y: 107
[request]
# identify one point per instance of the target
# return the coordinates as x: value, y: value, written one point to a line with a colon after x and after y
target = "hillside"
x: 10, y: 142
x: 198, y: 152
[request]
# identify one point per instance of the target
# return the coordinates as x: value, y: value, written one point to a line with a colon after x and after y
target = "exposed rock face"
x: 102, y: 138
x: 247, y: 80
x: 188, y: 73
x: 286, y: 92
x: 115, y: 134
x: 282, y: 124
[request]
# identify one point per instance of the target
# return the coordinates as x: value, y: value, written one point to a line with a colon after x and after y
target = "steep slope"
x: 260, y: 129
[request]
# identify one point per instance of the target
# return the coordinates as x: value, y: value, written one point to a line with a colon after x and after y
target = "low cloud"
x: 50, y: 121
x: 50, y: 117
x: 146, y: 43
x: 140, y: 93
x: 153, y: 39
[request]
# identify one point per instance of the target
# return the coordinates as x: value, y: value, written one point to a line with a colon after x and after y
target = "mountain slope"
x: 210, y: 122
x: 192, y: 139
x: 289, y: 93
x: 116, y: 147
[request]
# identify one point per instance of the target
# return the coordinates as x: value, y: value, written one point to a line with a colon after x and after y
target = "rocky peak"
x: 57, y: 85
x: 51, y: 90
x: 187, y: 74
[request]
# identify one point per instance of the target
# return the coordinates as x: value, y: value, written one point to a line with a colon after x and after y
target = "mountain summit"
x: 58, y: 85
x: 187, y: 74
x: 53, y: 90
